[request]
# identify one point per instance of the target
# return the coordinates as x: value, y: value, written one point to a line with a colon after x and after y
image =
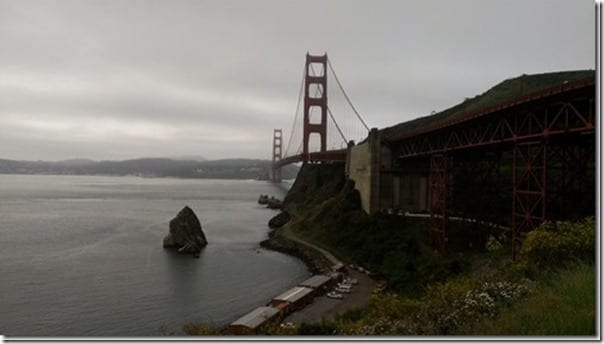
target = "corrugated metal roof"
x: 294, y: 294
x: 315, y: 281
x: 256, y: 317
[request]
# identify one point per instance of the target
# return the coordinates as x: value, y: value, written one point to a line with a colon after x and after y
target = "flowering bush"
x: 555, y: 242
x: 445, y: 309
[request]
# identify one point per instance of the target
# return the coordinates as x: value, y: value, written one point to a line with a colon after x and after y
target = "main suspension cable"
x: 291, y: 134
x: 337, y: 126
x: 345, y: 95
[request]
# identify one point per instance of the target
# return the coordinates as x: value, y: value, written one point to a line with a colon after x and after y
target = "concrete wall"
x: 363, y: 166
x: 359, y: 170
x: 369, y: 164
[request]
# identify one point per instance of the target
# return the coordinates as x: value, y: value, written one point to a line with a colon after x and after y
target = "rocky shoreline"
x: 294, y: 250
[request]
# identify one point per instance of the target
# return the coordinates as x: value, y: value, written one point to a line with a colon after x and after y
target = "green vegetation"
x: 392, y: 247
x: 550, y: 289
x: 192, y: 329
x: 563, y: 305
x: 554, y: 242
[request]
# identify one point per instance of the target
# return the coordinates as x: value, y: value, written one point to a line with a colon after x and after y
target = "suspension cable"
x: 291, y: 134
x: 346, y: 96
x: 337, y: 126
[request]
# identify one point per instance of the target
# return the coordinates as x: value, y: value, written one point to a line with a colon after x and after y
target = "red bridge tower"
x: 316, y: 101
x: 277, y: 155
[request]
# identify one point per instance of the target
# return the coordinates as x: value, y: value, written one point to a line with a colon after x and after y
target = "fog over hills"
x: 150, y: 167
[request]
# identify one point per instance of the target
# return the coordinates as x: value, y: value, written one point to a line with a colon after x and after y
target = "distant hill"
x: 151, y: 167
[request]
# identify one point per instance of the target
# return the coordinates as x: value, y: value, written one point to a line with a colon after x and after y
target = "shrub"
x: 563, y: 304
x: 200, y: 330
x: 553, y: 243
x: 318, y: 329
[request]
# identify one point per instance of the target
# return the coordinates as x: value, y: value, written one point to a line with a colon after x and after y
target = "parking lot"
x: 325, y: 308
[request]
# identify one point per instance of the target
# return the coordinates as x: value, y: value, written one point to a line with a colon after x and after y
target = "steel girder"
x: 564, y: 114
x: 529, y: 190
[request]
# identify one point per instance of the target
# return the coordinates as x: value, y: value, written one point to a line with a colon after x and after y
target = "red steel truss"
x: 438, y: 196
x: 529, y: 190
x: 561, y: 114
x: 533, y: 127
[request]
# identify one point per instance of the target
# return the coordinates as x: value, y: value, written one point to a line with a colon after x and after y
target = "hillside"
x: 150, y: 167
x: 505, y: 91
x: 549, y: 290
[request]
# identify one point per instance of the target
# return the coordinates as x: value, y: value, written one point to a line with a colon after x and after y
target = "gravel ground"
x: 325, y: 308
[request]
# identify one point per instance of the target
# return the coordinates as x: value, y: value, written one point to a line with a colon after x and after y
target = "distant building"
x: 293, y: 299
x: 317, y: 283
x: 253, y: 321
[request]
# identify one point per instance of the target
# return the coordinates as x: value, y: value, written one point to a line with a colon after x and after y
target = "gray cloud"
x: 117, y: 79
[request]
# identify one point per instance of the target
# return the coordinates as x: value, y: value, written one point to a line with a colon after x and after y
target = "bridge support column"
x: 315, y: 101
x: 438, y: 202
x: 277, y: 155
x: 529, y: 190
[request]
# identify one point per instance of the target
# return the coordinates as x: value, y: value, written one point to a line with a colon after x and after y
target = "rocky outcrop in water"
x: 274, y: 203
x: 263, y: 199
x: 186, y: 234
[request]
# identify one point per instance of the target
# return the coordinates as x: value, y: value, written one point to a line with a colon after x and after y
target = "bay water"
x: 83, y: 256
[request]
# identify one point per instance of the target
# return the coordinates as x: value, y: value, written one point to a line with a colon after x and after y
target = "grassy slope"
x: 563, y: 304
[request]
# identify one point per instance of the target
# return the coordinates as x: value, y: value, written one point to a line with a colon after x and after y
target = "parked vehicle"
x: 344, y: 285
x: 334, y: 295
x: 342, y: 290
x: 349, y: 280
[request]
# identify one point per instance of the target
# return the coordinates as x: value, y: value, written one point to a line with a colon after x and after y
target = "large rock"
x: 274, y: 203
x: 186, y: 234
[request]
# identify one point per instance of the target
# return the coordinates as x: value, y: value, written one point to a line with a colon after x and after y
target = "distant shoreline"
x: 151, y: 168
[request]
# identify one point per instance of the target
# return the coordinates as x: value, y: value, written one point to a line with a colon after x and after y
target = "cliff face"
x: 314, y: 184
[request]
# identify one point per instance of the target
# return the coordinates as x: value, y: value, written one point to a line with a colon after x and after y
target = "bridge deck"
x: 326, y: 156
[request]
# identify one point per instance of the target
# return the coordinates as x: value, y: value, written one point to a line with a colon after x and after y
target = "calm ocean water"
x: 83, y: 256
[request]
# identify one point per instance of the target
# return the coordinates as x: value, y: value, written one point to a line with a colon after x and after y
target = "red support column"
x: 277, y: 155
x: 438, y: 206
x: 315, y: 102
x: 529, y: 190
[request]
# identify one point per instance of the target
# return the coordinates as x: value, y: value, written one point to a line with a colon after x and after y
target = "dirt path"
x: 287, y: 232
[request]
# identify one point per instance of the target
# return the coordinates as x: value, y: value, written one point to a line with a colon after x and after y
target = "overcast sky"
x: 124, y: 79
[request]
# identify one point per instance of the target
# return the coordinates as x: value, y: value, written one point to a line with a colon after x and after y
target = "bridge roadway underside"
x: 326, y: 156
x: 516, y: 166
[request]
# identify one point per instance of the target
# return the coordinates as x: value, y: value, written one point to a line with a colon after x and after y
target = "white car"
x: 349, y: 280
x: 342, y: 290
x: 344, y: 285
x: 334, y: 295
